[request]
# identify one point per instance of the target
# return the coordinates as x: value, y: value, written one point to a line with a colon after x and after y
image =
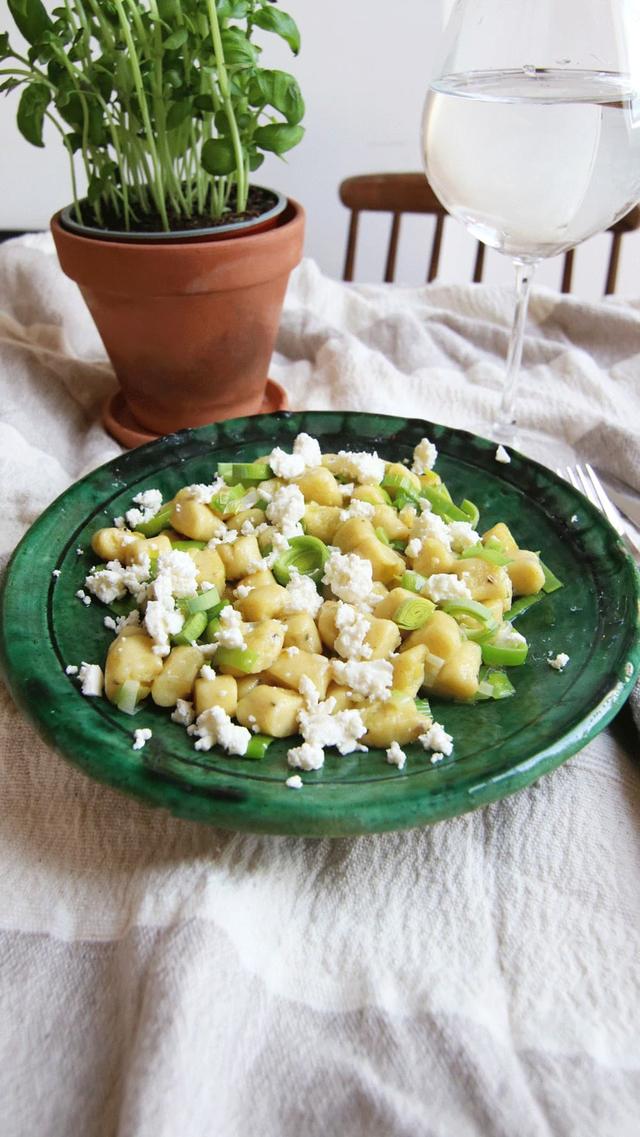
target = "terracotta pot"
x: 189, y: 326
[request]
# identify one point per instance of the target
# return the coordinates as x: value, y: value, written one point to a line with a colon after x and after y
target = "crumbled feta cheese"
x: 141, y: 737
x: 414, y: 547
x: 396, y: 756
x: 118, y: 522
x: 162, y: 619
x: 286, y: 509
x: 91, y: 677
x: 302, y: 596
x: 294, y: 782
x: 371, y: 680
x: 436, y: 738
x: 286, y: 465
x: 115, y: 580
x: 180, y: 571
x: 203, y: 493
x: 437, y: 757
x: 462, y: 535
x: 361, y: 466
x: 79, y: 551
x: 205, y: 585
x: 445, y: 586
x: 429, y: 525
x: 56, y: 572
x: 229, y: 634
x: 71, y: 669
x: 350, y: 578
x: 207, y: 672
x: 247, y: 528
x: 560, y: 661
x: 507, y: 636
x: 183, y: 713
x: 424, y: 457
x: 306, y: 757
x: 243, y: 590
x: 110, y: 623
x: 346, y: 488
x: 352, y: 627
x: 279, y: 544
x: 226, y: 538
x: 149, y: 502
x: 357, y: 508
x: 127, y: 621
x: 309, y: 691
x: 214, y: 728
x: 308, y: 448
x: 502, y: 455
x: 321, y: 727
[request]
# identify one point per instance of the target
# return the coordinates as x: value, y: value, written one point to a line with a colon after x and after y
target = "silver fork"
x: 585, y: 479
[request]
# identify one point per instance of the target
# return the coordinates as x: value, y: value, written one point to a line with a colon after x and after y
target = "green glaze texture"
x: 500, y: 747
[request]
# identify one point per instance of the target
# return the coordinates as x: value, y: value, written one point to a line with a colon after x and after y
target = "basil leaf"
x: 237, y: 48
x: 217, y: 157
x: 204, y: 103
x: 33, y: 103
x: 31, y: 19
x: 278, y: 137
x: 272, y: 19
x: 176, y: 39
x: 231, y: 9
x: 279, y: 90
x: 178, y: 113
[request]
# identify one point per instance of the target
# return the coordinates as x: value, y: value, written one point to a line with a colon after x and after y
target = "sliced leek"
x: 258, y: 746
x: 227, y: 501
x: 305, y: 555
x: 247, y: 473
x: 192, y: 629
x: 486, y: 553
x: 477, y: 621
x: 161, y: 520
x: 413, y: 614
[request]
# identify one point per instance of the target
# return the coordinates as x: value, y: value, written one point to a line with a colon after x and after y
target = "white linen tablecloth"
x: 480, y: 977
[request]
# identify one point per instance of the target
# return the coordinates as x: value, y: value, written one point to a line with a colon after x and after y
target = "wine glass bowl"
x: 531, y: 132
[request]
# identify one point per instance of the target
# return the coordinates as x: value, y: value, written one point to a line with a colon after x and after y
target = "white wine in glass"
x: 531, y: 133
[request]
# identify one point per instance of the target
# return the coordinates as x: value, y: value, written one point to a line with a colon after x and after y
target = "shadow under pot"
x: 188, y: 322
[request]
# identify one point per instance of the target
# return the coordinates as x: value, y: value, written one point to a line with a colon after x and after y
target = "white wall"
x: 364, y: 68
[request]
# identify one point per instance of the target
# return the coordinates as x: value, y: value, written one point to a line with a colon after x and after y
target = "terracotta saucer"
x: 118, y: 420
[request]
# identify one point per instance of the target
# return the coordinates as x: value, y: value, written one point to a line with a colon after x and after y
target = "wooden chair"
x: 411, y: 193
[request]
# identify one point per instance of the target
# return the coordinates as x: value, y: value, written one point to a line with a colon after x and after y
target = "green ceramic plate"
x: 499, y: 747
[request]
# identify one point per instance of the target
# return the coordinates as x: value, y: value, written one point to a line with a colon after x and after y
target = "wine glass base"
x: 506, y: 433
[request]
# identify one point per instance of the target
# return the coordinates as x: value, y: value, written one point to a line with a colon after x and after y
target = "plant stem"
x: 74, y: 185
x: 223, y: 80
x: 157, y: 186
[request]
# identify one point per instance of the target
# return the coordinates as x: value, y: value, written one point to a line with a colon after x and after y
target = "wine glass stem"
x: 507, y: 413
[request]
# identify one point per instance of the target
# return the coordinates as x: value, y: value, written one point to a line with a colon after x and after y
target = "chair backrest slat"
x: 478, y: 267
x: 614, y: 259
x: 392, y: 250
x: 436, y: 246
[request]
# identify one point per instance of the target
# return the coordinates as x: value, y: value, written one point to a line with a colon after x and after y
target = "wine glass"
x: 531, y: 133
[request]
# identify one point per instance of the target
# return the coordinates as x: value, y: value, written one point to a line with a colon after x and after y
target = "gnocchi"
x: 326, y: 596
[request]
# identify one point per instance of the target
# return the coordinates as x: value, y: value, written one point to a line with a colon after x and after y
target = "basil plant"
x: 162, y: 103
